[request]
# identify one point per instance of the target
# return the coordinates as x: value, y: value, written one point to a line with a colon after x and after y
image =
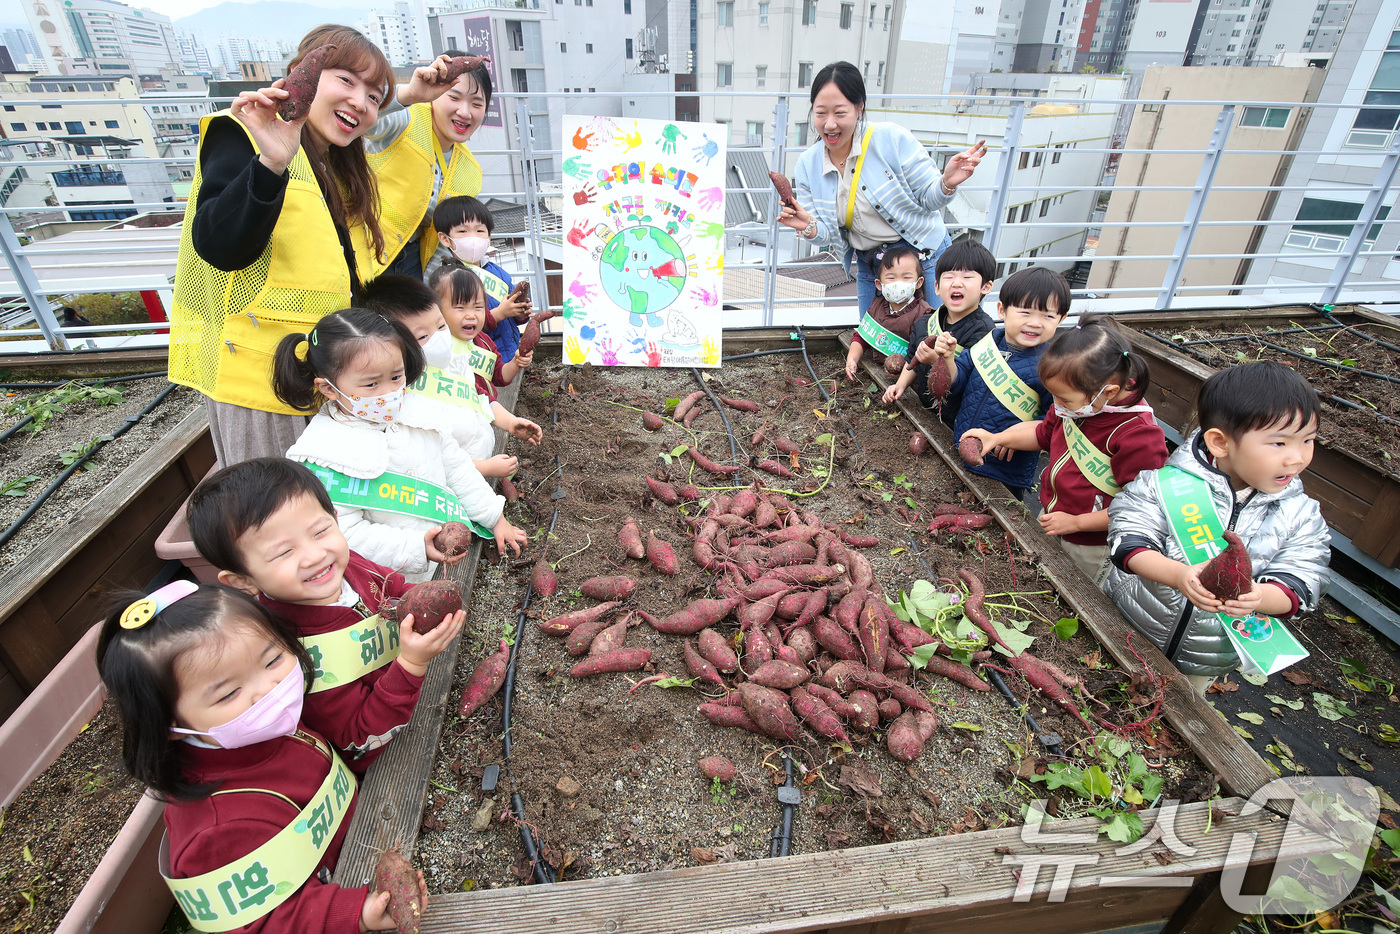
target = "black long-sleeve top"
x: 240, y: 200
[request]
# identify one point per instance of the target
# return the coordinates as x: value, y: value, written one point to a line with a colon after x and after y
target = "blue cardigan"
x: 898, y: 178
x: 980, y: 408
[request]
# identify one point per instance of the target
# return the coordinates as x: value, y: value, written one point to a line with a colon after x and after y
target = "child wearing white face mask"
x: 393, y: 485
x: 209, y: 687
x: 464, y: 228
x: 1100, y: 435
x: 899, y: 302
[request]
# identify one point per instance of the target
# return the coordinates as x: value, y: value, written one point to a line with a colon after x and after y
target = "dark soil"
x: 608, y: 776
x: 57, y: 830
x: 1362, y: 411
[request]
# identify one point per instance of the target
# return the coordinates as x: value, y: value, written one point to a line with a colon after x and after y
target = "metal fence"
x: 541, y: 232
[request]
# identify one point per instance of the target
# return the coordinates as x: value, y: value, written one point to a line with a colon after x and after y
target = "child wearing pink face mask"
x: 464, y: 228
x: 209, y: 687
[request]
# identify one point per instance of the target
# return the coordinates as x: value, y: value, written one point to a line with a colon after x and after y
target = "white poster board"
x: 644, y: 241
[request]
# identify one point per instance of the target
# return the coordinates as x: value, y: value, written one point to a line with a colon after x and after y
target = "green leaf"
x: 926, y: 598
x: 1243, y: 732
x: 963, y: 726
x: 896, y: 551
x: 1253, y: 718
x: 1125, y: 827
x: 1066, y: 626
x: 1015, y: 640
x: 1097, y: 781
x: 1391, y: 838
x: 676, y: 682
x: 678, y: 450
x: 1151, y: 786
x: 1137, y: 767
x: 909, y: 501
x: 1290, y: 704
x: 1388, y: 733
x: 823, y: 438
x: 1256, y: 680
x: 672, y: 403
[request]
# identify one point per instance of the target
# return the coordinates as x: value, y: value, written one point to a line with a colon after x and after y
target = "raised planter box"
x: 1360, y: 496
x: 48, y: 600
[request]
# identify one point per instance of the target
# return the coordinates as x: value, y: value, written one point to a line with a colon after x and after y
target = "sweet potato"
x: 771, y: 711
x: 652, y: 422
x: 775, y: 468
x: 834, y: 639
x: 816, y: 714
x: 696, y: 616
x: 846, y: 675
x: 715, y: 649
x: 815, y: 606
x: 663, y: 491
x: 790, y: 607
x: 762, y: 588
x: 744, y: 503
x: 790, y: 553
x: 909, y: 733
x: 778, y: 674
x: 301, y: 85
x: 861, y: 573
x: 608, y: 588
x: 909, y: 636
x: 717, y: 767
x: 972, y: 607
x: 543, y: 581
x: 757, y: 649
x: 486, y: 679
x: 847, y: 611
x: 918, y: 444
x: 728, y: 715
x: 895, y: 663
x: 792, y: 533
x: 808, y: 574
x: 630, y: 537
x: 579, y: 641
x: 874, y: 631
x: 833, y: 699
x: 894, y: 365
x: 453, y: 539
x: 395, y: 875
x: 709, y: 466
x: 743, y: 405
x: 765, y: 515
x: 957, y: 672
x: 611, y: 638
x: 566, y: 623
x: 959, y: 523
x: 661, y: 555
x: 867, y: 710
x: 803, y: 644
x: 859, y: 541
x: 939, y: 381
x: 970, y: 450
x: 530, y: 337
x: 1230, y: 573
x: 890, y: 709
x: 521, y: 293
x: 759, y: 611
x: 614, y: 661
x: 684, y: 406
x: 459, y: 65
x: 784, y: 445
x: 509, y: 490
x: 429, y: 603
x: 1045, y: 683
x: 688, y: 492
x: 698, y: 667
x: 784, y: 188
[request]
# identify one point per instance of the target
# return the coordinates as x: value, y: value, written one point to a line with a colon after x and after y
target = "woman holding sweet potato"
x: 280, y: 179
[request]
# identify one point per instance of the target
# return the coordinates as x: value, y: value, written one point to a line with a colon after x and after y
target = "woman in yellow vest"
x: 419, y: 156
x: 266, y: 249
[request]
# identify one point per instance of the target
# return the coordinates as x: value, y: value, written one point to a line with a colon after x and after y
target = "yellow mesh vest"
x: 224, y: 326
x: 463, y: 177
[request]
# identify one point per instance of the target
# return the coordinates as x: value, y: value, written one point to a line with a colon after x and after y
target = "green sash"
x: 935, y: 329
x: 397, y: 493
x: 1011, y: 391
x: 347, y: 655
x: 495, y: 286
x: 1092, y: 462
x: 881, y: 338
x: 248, y: 888
x: 481, y: 360
x: 1265, y: 644
x: 447, y: 387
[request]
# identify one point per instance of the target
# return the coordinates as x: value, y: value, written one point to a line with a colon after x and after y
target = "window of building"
x: 1011, y: 215
x: 880, y: 74
x: 1024, y: 161
x: 588, y: 48
x: 1039, y: 158
x: 1151, y: 108
x: 9, y: 108
x: 760, y: 76
x: 112, y: 124
x: 763, y: 14
x: 563, y: 47
x: 1272, y: 117
x: 866, y: 72
x: 802, y: 130
x: 75, y: 127
x: 809, y: 12
x: 726, y: 13
x: 1055, y: 156
x: 1372, y: 127
x: 19, y: 127
x: 848, y: 11
x: 1045, y: 207
x: 1313, y: 233
x: 804, y: 74
x: 627, y: 6
x: 724, y: 74
x: 592, y: 90
x: 1025, y: 212
x: 628, y: 47
x: 755, y: 131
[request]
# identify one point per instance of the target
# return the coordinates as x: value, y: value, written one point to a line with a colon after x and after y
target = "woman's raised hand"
x: 276, y: 139
x: 961, y: 166
x: 796, y: 218
x: 427, y: 84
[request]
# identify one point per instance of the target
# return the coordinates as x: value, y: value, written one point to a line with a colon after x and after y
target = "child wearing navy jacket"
x: 995, y: 381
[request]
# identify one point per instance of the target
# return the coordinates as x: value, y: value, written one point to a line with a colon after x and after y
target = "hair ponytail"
x: 1092, y: 354
x: 323, y: 352
x: 455, y: 284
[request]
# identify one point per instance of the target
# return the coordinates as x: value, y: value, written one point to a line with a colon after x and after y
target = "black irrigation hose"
x: 1329, y: 363
x: 1326, y: 312
x: 822, y: 389
x: 995, y: 676
x: 102, y: 381
x: 781, y: 844
x: 1346, y: 404
x: 760, y: 353
x: 74, y: 467
x: 16, y: 427
x: 1246, y: 337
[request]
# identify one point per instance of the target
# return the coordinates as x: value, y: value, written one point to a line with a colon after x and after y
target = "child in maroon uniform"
x: 462, y: 299
x: 900, y: 302
x: 270, y: 528
x: 1100, y: 435
x: 209, y: 688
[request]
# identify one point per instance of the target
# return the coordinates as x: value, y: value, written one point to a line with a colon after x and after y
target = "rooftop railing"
x: 1331, y: 247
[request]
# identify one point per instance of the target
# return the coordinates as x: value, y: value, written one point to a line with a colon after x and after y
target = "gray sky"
x: 12, y: 12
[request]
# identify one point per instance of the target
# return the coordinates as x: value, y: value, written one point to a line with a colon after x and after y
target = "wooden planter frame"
x: 1360, y: 499
x: 51, y: 597
x: 898, y: 888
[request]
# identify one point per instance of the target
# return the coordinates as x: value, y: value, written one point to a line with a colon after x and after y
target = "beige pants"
x: 1201, y: 683
x: 241, y: 434
x: 1091, y: 559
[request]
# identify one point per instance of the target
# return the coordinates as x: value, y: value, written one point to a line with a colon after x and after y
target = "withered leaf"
x: 861, y: 780
x: 702, y: 855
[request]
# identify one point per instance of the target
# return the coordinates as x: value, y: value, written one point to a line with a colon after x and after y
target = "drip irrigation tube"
x: 16, y: 427
x: 760, y: 353
x: 1326, y: 312
x: 995, y: 677
x: 1331, y: 364
x: 781, y: 844
x: 1249, y: 337
x: 74, y: 467
x: 102, y: 381
x: 822, y: 389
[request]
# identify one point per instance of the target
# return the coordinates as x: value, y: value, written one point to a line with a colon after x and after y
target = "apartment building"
x: 1257, y: 153
x: 102, y: 37
x: 397, y: 32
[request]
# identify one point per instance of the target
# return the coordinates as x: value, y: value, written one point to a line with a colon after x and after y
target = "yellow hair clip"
x: 142, y: 611
x: 301, y: 350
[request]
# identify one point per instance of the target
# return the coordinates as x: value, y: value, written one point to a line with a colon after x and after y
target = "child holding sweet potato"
x: 464, y: 228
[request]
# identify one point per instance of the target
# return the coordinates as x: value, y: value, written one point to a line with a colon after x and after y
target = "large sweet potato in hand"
x: 302, y: 83
x: 460, y: 65
x: 430, y: 603
x: 394, y: 874
x: 785, y: 196
x: 1230, y: 573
